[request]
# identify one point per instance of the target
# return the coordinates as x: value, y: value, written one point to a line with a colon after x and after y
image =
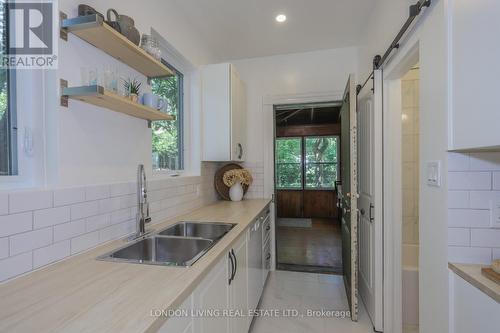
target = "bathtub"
x: 410, y: 284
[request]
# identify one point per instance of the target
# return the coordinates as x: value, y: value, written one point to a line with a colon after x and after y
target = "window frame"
x: 301, y: 163
x: 304, y: 163
x: 176, y: 61
x: 11, y: 114
x: 180, y: 121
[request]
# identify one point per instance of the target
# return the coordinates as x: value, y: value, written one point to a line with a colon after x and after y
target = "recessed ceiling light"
x: 281, y: 18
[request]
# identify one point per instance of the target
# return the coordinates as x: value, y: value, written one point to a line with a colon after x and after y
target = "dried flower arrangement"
x: 231, y: 177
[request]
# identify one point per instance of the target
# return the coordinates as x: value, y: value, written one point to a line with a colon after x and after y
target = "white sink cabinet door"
x: 213, y: 294
x: 239, y: 288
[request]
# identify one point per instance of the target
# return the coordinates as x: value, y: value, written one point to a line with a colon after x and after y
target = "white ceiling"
x: 237, y: 29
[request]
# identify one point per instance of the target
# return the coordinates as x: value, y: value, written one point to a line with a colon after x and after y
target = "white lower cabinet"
x: 238, y: 290
x: 220, y: 303
x: 182, y: 323
x: 212, y: 294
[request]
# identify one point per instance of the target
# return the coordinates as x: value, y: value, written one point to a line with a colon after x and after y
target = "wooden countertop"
x: 472, y: 274
x: 82, y: 294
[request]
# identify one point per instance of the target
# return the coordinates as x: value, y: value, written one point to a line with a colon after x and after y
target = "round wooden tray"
x: 220, y: 187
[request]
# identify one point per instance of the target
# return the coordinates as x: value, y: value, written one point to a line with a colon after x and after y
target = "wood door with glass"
x: 349, y: 219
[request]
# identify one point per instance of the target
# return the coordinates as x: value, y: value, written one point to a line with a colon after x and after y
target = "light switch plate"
x: 495, y: 213
x: 433, y: 173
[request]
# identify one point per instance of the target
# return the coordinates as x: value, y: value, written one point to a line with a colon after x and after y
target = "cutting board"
x: 491, y: 274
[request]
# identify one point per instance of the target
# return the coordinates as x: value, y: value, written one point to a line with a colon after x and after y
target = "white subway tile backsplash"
x: 458, y: 199
x: 52, y: 216
x: 69, y: 230
x: 469, y: 181
x: 30, y: 240
x: 488, y: 161
x: 16, y: 265
x: 15, y: 223
x: 4, y: 247
x: 121, y: 215
x: 84, y: 242
x: 49, y: 254
x: 52, y: 225
x: 96, y: 192
x: 29, y: 200
x: 121, y: 189
x: 69, y: 196
x: 4, y: 204
x: 483, y: 199
x: 459, y: 236
x: 109, y: 205
x: 496, y: 254
x: 485, y: 237
x: 496, y: 180
x: 469, y: 255
x: 85, y: 209
x: 468, y: 218
x: 97, y: 222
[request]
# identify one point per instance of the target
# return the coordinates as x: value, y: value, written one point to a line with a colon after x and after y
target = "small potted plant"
x: 234, y: 180
x: 132, y: 89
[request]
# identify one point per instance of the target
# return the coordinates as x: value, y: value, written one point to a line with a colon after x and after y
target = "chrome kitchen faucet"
x: 142, y: 203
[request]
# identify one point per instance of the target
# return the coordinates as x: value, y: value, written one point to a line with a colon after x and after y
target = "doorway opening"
x: 410, y: 157
x: 307, y: 169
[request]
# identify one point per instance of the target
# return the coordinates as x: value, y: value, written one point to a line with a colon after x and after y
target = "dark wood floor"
x: 317, y: 249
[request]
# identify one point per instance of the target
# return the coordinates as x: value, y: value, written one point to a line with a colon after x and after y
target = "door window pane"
x: 289, y: 163
x: 321, y: 162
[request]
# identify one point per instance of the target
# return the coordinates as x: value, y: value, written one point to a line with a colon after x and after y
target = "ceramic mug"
x: 153, y: 101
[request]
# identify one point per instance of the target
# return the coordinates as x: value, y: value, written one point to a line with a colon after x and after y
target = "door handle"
x: 268, y: 256
x: 240, y: 155
x: 232, y: 268
x: 372, y: 207
x: 235, y: 264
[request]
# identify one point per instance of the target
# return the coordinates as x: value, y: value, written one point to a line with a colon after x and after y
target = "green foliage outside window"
x: 167, y: 140
x: 289, y: 163
x: 319, y: 163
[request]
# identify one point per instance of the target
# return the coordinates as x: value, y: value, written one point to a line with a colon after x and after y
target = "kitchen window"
x: 167, y: 136
x: 309, y: 162
x: 289, y: 163
x: 8, y: 129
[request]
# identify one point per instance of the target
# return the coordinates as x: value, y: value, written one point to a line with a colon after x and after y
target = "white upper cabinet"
x: 475, y: 71
x: 224, y: 113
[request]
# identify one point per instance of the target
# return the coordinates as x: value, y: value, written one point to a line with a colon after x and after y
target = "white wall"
x: 431, y: 36
x: 91, y: 145
x: 301, y: 73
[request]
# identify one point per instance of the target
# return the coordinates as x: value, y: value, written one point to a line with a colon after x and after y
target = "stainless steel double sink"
x: 181, y: 244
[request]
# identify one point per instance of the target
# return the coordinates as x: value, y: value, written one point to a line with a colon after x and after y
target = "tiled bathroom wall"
x: 41, y: 227
x: 410, y: 155
x: 474, y: 185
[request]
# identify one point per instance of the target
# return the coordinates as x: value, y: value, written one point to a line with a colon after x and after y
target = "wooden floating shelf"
x: 97, y: 95
x: 95, y: 31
